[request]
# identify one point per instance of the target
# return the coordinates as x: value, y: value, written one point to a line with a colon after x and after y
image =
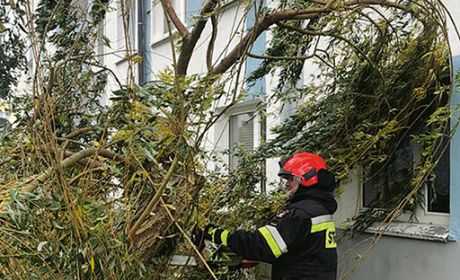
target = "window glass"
x: 382, y: 182
x: 5, y: 127
x: 438, y: 188
x: 192, y: 9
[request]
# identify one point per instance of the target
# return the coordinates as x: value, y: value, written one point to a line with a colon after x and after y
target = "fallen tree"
x: 112, y: 191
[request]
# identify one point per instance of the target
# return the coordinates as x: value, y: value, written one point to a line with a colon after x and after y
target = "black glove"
x: 215, y: 234
x: 209, y: 231
x: 198, y: 237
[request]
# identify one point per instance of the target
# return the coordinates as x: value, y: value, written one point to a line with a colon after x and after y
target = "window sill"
x: 160, y: 40
x: 123, y: 59
x: 241, y: 107
x: 428, y: 232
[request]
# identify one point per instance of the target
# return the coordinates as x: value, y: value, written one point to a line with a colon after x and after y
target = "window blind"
x: 241, y: 135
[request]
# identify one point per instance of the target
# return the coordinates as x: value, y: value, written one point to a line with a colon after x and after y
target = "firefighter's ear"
x: 326, y: 180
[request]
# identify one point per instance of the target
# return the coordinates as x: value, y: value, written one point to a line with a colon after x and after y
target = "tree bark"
x: 190, y: 41
x: 171, y: 13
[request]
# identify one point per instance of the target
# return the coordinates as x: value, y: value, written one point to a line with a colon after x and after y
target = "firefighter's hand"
x: 216, y: 234
x: 209, y: 231
x: 198, y: 237
x: 247, y: 263
x: 244, y: 264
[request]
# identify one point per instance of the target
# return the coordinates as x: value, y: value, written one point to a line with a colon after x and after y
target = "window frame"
x: 222, y: 127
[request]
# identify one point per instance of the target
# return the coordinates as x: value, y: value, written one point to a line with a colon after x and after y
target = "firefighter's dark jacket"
x: 299, y: 242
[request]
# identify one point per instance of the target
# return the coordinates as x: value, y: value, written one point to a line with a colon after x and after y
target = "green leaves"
x: 387, y: 82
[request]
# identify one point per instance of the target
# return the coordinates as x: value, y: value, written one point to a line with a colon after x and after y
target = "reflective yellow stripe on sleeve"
x: 213, y: 233
x: 272, y: 243
x: 224, y: 237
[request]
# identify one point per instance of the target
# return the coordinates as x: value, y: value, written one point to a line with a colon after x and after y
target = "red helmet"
x: 304, y: 166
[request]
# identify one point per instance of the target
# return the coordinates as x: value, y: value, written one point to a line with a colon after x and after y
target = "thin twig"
x: 268, y: 57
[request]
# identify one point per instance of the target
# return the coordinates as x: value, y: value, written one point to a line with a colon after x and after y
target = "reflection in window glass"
x: 384, y: 181
x: 5, y: 127
x: 438, y: 189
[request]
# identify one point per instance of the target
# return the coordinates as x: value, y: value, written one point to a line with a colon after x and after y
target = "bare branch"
x: 84, y: 161
x: 379, y: 29
x: 241, y: 48
x: 78, y: 176
x: 169, y: 10
x: 268, y: 57
x: 82, y: 60
x: 49, y: 87
x: 212, y: 122
x: 80, y: 157
x: 289, y: 14
x: 210, y: 50
x: 67, y: 138
x: 173, y: 220
x: 334, y: 35
x: 190, y: 41
x: 80, y: 131
x: 324, y: 61
x: 111, y: 155
x: 32, y: 183
x: 384, y: 3
x: 276, y: 58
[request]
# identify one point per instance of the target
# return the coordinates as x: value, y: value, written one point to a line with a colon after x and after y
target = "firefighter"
x: 299, y: 241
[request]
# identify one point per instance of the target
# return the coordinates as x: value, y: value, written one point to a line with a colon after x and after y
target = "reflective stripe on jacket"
x: 299, y: 243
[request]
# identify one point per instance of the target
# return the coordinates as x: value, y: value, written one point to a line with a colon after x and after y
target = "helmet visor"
x: 287, y: 177
x: 285, y: 174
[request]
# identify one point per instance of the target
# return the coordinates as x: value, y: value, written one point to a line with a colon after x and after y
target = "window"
x: 382, y: 182
x: 438, y: 217
x: 255, y: 89
x: 241, y: 135
x: 192, y: 9
x: 5, y: 127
